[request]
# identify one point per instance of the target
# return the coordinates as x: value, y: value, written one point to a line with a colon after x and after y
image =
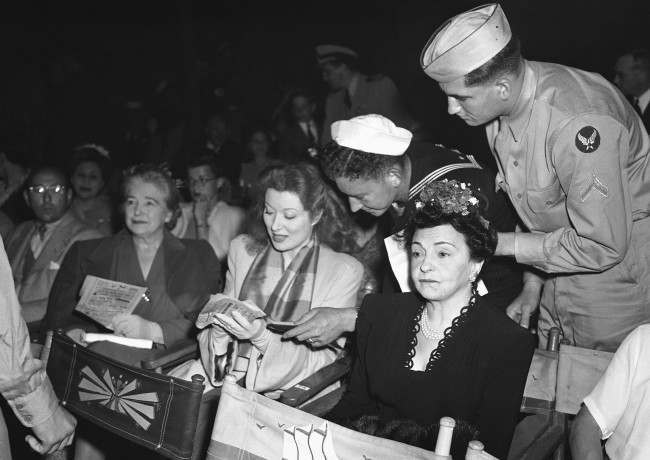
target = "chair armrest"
x: 317, y: 382
x: 323, y: 404
x: 169, y: 357
x: 34, y: 330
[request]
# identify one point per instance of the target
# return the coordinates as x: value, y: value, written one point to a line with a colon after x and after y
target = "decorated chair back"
x: 156, y: 411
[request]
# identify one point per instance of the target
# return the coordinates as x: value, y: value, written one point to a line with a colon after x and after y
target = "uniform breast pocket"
x: 545, y: 199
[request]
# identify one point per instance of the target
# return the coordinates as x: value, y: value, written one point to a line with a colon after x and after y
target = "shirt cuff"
x: 34, y: 408
x: 599, y: 418
x: 262, y: 342
x: 529, y: 248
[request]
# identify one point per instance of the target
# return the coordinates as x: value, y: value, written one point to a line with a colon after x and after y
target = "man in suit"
x: 353, y: 93
x: 299, y: 140
x: 36, y: 247
x: 632, y: 76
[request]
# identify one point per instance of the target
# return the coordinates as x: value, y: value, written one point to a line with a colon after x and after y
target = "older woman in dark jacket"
x: 180, y: 274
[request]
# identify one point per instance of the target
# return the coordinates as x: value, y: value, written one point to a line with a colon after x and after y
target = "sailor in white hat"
x: 352, y: 93
x: 572, y: 155
x: 382, y: 171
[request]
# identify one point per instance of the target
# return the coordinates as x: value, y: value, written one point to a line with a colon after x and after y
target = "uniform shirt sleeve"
x: 589, y: 155
x: 23, y: 381
x: 609, y: 398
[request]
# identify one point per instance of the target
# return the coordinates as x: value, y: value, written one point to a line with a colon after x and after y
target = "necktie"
x: 41, y: 229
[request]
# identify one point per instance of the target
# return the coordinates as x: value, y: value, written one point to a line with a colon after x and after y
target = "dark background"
x: 69, y: 68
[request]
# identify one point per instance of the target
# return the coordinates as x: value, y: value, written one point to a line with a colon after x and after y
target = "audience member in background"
x: 226, y: 153
x: 37, y: 247
x: 90, y: 173
x: 14, y: 209
x: 454, y: 351
x: 209, y: 216
x: 618, y: 408
x: 23, y: 382
x: 632, y: 76
x: 179, y: 274
x: 300, y: 138
x: 259, y: 145
x: 353, y: 93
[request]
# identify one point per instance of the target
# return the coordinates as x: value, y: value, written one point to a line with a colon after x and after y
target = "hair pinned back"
x: 157, y: 174
x: 92, y: 153
x: 449, y: 202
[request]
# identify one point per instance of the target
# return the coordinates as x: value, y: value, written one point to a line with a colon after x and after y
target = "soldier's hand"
x: 526, y: 303
x: 53, y: 434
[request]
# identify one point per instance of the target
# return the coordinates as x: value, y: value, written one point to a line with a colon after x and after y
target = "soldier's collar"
x: 518, y: 120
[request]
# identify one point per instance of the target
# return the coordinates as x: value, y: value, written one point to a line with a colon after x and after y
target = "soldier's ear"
x: 504, y: 87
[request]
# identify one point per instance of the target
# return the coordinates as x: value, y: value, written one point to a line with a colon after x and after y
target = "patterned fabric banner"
x: 251, y: 427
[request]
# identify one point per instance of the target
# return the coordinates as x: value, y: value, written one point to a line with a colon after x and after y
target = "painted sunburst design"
x: 117, y: 395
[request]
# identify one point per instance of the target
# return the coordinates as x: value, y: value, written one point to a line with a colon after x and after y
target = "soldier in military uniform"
x: 353, y: 93
x: 573, y: 157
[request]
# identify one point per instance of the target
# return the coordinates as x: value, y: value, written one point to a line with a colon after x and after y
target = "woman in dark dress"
x: 442, y: 351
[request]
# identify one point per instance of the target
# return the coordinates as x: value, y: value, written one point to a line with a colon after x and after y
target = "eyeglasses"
x: 41, y: 189
x: 201, y: 181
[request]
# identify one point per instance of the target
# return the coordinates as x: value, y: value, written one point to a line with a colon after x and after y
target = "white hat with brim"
x: 372, y: 134
x: 465, y: 42
x: 327, y: 53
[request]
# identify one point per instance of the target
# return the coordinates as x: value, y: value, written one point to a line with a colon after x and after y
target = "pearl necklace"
x: 428, y: 331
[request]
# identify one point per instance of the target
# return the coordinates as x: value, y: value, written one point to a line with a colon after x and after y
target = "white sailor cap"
x: 327, y: 53
x: 372, y: 134
x: 465, y: 42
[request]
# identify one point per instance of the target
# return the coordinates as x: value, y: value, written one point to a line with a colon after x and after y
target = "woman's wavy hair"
x: 480, y: 236
x: 158, y: 175
x: 334, y: 228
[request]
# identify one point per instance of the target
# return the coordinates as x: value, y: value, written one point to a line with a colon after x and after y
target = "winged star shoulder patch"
x: 587, y: 139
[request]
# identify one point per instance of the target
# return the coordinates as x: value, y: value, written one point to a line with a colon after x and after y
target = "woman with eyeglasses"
x: 210, y: 215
